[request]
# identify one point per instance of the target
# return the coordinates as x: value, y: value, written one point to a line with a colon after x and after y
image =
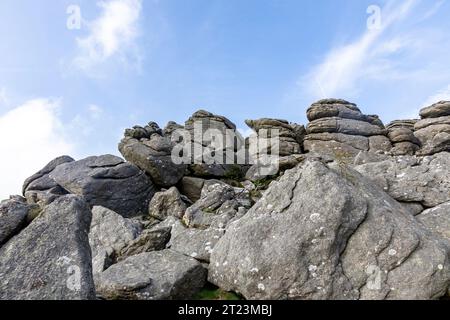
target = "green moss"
x: 210, y: 292
x: 263, y: 184
x: 234, y: 172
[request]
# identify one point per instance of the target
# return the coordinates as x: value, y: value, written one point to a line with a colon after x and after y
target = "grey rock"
x: 195, y: 243
x: 272, y: 166
x: 167, y: 203
x: 109, y: 234
x: 433, y: 134
x: 346, y: 126
x: 214, y: 194
x: 413, y: 208
x: 379, y: 144
x: 154, y: 239
x: 153, y: 154
x: 340, y: 109
x: 40, y: 188
x: 404, y: 148
x: 329, y: 233
x: 107, y: 181
x: 158, y: 275
x: 51, y: 258
x: 171, y: 127
x: 364, y: 157
x: 192, y: 187
x: 291, y: 135
x: 13, y: 217
x: 437, y: 219
x: 439, y: 109
x: 413, y: 179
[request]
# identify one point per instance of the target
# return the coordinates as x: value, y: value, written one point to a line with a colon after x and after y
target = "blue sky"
x: 73, y: 91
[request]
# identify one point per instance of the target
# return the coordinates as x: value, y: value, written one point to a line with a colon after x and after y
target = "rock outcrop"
x: 433, y: 130
x: 342, y: 209
x: 338, y: 129
x: 151, y: 150
x: 107, y: 181
x: 40, y: 188
x: 51, y: 258
x: 411, y: 179
x: 401, y: 134
x: 329, y: 233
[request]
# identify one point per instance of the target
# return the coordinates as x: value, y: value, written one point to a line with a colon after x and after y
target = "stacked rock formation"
x: 149, y: 149
x: 401, y: 134
x: 339, y: 129
x: 354, y: 211
x: 202, y: 127
x: 433, y: 130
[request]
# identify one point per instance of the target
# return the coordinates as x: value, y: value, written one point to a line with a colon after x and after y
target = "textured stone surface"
x: 323, y: 233
x: 107, y: 181
x: 109, y: 234
x: 13, y: 217
x: 433, y: 134
x: 413, y: 179
x: 153, y: 154
x: 167, y: 203
x: 159, y: 275
x: 40, y: 188
x: 437, y: 219
x: 51, y: 258
x: 439, y: 109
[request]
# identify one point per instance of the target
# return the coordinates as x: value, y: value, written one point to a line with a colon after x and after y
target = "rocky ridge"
x: 351, y: 209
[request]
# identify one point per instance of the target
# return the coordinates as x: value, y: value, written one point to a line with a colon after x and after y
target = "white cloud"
x: 441, y: 95
x: 3, y: 97
x: 95, y: 111
x: 366, y: 57
x: 112, y: 35
x: 30, y: 136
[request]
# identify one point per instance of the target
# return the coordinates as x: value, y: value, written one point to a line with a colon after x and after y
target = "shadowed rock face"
x: 13, y: 216
x: 40, y: 188
x: 320, y: 233
x: 107, y: 181
x: 51, y: 258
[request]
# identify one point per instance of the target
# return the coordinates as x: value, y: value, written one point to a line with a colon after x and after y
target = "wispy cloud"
x: 3, y: 97
x: 30, y: 136
x: 433, y: 10
x: 345, y: 65
x: 112, y: 36
x: 441, y: 95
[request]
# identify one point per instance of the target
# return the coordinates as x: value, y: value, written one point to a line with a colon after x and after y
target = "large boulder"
x: 433, y: 134
x: 412, y: 179
x: 51, y: 258
x: 109, y: 234
x: 401, y: 134
x: 436, y: 110
x: 291, y: 135
x: 151, y: 151
x: 329, y: 233
x: 214, y: 143
x: 167, y: 203
x: 340, y: 131
x: 107, y: 181
x: 437, y: 219
x: 158, y: 275
x: 40, y: 188
x: 13, y: 217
